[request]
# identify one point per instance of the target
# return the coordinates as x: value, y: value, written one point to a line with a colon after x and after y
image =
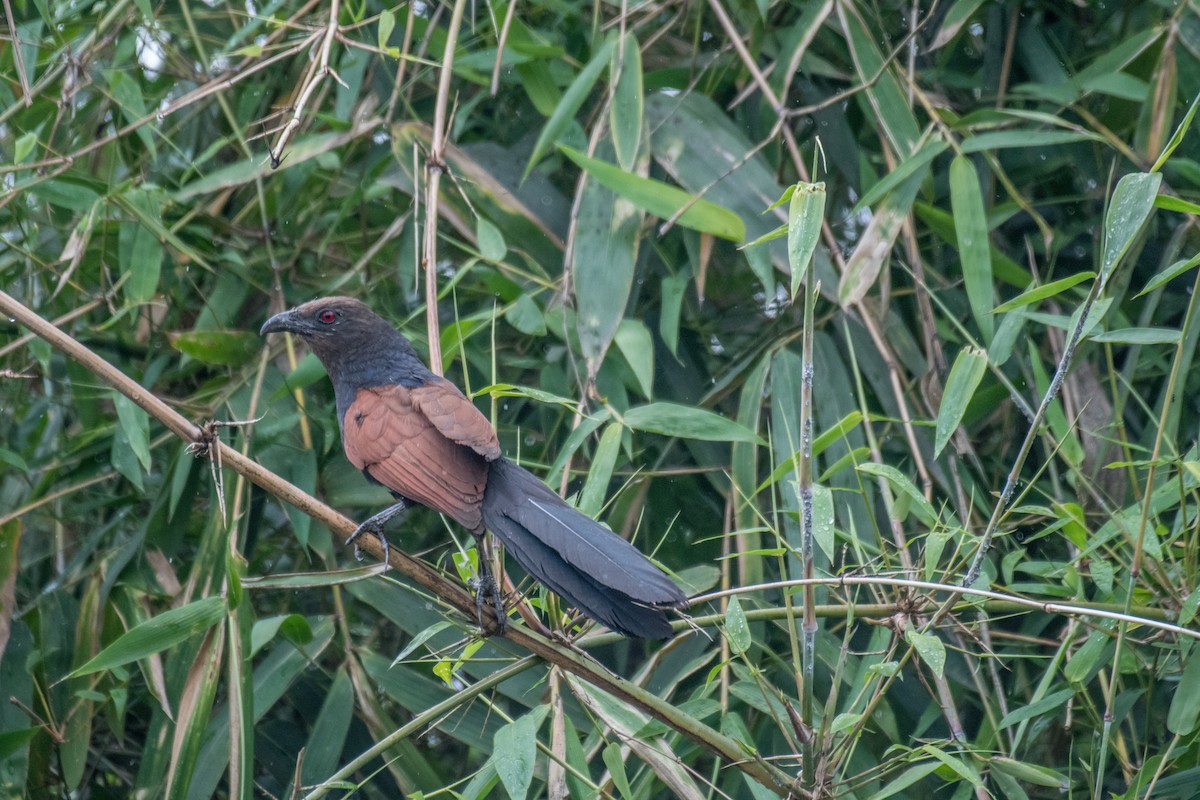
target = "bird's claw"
x: 367, y: 527
x: 486, y: 589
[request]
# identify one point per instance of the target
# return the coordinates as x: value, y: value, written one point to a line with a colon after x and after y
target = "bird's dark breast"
x: 386, y: 434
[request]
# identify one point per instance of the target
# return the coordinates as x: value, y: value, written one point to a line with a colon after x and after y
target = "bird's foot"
x: 375, y: 525
x: 368, y: 527
x: 488, y: 591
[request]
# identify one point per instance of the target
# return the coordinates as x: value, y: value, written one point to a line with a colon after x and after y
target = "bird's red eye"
x: 327, y: 316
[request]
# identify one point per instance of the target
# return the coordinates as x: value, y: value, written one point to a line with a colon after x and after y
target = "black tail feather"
x: 595, y: 569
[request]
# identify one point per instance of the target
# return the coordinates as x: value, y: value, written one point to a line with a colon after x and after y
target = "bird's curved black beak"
x: 285, y: 321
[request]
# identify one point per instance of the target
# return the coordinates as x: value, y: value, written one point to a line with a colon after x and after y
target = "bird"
x: 416, y: 434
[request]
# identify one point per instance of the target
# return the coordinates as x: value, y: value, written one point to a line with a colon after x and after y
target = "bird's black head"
x: 354, y: 343
x: 328, y: 323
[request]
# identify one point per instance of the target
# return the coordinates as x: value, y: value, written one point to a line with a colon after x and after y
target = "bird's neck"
x: 384, y: 360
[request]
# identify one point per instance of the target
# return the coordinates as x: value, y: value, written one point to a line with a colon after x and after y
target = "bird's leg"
x: 375, y: 525
x: 488, y: 588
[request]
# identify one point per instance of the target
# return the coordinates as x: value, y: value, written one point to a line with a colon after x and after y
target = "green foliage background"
x: 969, y: 153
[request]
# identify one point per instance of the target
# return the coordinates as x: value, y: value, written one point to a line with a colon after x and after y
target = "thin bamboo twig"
x: 435, y: 166
x: 804, y: 478
x: 1098, y: 610
x: 316, y: 73
x: 16, y: 54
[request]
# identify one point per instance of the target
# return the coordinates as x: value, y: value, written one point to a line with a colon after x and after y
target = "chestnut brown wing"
x: 456, y: 417
x: 386, y: 433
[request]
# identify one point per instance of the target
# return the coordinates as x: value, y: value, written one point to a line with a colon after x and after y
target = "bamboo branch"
x: 435, y: 166
x: 316, y: 73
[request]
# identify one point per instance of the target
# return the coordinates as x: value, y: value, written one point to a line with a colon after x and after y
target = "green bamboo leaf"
x: 1131, y: 203
x: 420, y: 639
x: 1031, y: 773
x: 1177, y: 136
x: 1138, y: 336
x: 737, y: 630
x: 571, y: 102
x: 157, y: 634
x: 602, y: 265
x: 637, y: 346
x: 671, y: 308
x: 1000, y: 140
x: 784, y: 198
x: 844, y: 722
x: 661, y: 199
x: 686, y: 422
x: 703, y: 150
x: 889, y: 102
x: 575, y: 440
x: 275, y: 674
x: 906, y: 779
x: 310, y: 580
x: 329, y: 731
x: 13, y: 459
x: 805, y: 215
x: 941, y: 223
x: 837, y: 431
x: 24, y: 146
x: 490, y: 240
x: 293, y: 627
x: 929, y: 647
x: 824, y: 532
x: 134, y: 426
x: 615, y: 762
x: 898, y: 481
x: 194, y: 715
x: 961, y: 768
x: 917, y: 162
x: 971, y: 228
x: 956, y: 16
x: 1087, y: 659
x: 525, y: 316
x: 1039, y: 293
x: 240, y: 173
x: 224, y: 348
x: 514, y: 753
x: 387, y: 23
x: 1187, y: 609
x: 1168, y: 203
x: 68, y: 194
x: 935, y: 545
x: 127, y: 91
x: 591, y: 499
x: 140, y: 250
x: 627, y: 109
x: 1036, y: 708
x: 776, y: 233
x: 968, y: 370
x: 510, y: 390
x: 744, y: 467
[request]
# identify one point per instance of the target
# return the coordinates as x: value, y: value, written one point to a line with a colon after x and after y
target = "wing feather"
x: 456, y: 417
x: 387, y: 433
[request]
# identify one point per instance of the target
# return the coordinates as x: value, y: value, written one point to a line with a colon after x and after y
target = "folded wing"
x: 412, y: 441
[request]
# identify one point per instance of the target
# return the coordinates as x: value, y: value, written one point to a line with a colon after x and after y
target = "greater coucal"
x: 420, y: 437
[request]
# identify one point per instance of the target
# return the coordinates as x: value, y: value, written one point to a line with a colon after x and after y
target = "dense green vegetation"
x: 557, y: 201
